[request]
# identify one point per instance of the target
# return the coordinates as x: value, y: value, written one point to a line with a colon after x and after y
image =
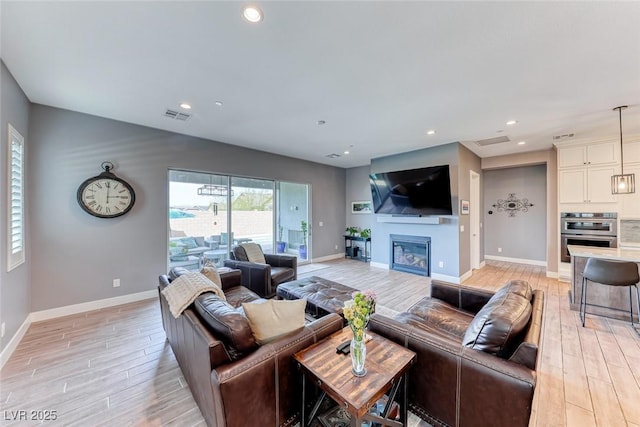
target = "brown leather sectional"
x: 477, y: 353
x: 235, y: 381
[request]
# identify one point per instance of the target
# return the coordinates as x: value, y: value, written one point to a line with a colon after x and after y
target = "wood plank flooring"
x: 114, y: 367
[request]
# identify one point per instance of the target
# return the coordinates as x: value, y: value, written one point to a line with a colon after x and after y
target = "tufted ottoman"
x: 323, y: 296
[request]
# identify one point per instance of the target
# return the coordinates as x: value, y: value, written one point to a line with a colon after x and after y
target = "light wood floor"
x: 114, y: 367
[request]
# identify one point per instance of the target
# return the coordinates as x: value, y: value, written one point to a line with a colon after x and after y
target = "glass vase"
x: 358, y: 349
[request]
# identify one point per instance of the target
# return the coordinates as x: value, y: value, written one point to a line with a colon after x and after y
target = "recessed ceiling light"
x: 346, y: 152
x: 321, y: 122
x: 219, y: 103
x: 431, y: 132
x: 252, y: 13
x: 185, y: 106
x: 512, y: 122
x: 522, y: 142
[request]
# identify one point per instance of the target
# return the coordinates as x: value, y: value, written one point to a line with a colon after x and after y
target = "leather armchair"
x: 452, y: 384
x: 260, y: 386
x: 263, y: 279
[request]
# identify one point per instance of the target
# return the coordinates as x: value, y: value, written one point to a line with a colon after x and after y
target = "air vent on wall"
x: 173, y: 114
x: 491, y: 141
x: 333, y: 156
x: 565, y: 136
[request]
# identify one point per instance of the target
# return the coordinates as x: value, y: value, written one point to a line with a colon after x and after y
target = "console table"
x: 387, y: 366
x: 350, y: 245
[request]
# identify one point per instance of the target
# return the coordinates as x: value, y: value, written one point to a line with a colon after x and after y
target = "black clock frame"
x: 105, y: 175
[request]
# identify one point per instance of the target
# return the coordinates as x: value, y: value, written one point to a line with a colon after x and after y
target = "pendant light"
x: 622, y: 184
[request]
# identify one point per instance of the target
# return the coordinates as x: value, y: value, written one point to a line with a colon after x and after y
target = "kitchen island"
x: 608, y: 296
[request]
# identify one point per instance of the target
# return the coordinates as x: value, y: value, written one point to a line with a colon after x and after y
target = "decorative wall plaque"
x: 512, y: 205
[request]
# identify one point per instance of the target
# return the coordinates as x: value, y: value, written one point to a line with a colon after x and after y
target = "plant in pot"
x: 365, y: 233
x: 281, y: 246
x: 303, y: 247
x: 352, y: 230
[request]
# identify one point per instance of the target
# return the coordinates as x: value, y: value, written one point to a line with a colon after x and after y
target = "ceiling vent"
x: 565, y: 136
x: 173, y: 114
x: 491, y: 141
x: 333, y: 156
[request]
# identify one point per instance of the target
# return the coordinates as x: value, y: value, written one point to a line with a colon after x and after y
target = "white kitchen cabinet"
x: 586, y: 185
x: 602, y: 153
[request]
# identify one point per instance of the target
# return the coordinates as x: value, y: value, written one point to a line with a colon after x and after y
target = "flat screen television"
x: 424, y: 191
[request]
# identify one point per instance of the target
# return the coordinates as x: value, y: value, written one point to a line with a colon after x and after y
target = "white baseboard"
x: 52, y: 313
x: 328, y: 257
x: 482, y: 264
x: 465, y: 276
x: 517, y: 260
x: 446, y: 278
x: 552, y: 274
x: 15, y: 340
x: 379, y: 265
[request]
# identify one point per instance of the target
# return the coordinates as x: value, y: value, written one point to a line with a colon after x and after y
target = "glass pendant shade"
x: 622, y: 184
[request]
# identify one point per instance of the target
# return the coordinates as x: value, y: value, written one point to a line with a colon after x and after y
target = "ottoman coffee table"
x: 323, y: 296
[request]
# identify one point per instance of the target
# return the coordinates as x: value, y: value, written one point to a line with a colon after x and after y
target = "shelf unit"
x: 351, y: 244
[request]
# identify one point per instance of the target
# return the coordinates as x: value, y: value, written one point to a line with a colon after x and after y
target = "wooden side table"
x: 387, y: 366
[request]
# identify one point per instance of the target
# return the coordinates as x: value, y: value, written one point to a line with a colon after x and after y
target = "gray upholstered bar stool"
x: 610, y: 273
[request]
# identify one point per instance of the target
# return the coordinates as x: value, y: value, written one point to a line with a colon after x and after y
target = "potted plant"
x: 366, y: 233
x: 352, y: 230
x: 303, y: 247
x: 281, y: 246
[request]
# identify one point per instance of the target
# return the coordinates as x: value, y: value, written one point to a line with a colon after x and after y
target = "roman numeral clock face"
x: 106, y: 196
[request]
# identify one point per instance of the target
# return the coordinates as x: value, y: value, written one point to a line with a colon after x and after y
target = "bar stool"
x: 610, y: 273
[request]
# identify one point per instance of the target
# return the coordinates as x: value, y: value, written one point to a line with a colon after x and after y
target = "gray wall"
x: 76, y: 256
x: 444, y: 237
x: 358, y: 190
x: 14, y: 286
x: 523, y: 235
x: 549, y: 158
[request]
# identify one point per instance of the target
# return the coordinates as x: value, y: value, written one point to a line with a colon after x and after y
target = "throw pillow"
x: 496, y: 326
x: 210, y: 272
x: 271, y: 319
x: 225, y: 320
x: 254, y: 253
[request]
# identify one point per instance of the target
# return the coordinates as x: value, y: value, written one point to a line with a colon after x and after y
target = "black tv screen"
x: 424, y: 191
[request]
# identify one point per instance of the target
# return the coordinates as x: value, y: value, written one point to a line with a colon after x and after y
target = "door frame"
x: 474, y: 220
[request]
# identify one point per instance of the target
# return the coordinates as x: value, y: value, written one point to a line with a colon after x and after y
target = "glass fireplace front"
x: 411, y: 254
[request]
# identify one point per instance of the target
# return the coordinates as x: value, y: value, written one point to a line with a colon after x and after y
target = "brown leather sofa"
x: 263, y: 279
x: 235, y: 381
x: 477, y: 353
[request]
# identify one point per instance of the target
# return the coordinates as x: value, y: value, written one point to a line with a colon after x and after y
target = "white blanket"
x: 185, y: 289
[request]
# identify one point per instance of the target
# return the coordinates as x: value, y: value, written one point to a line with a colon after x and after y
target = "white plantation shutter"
x: 15, y: 234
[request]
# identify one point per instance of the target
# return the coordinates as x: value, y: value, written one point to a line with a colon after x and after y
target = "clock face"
x: 106, y: 197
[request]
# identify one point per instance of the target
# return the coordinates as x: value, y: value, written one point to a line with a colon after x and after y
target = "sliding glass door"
x: 252, y: 212
x: 292, y: 220
x: 209, y: 214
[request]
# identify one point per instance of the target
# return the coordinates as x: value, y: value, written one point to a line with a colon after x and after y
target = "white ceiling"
x: 379, y: 73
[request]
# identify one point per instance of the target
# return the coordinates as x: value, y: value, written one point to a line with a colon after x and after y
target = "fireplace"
x: 411, y: 254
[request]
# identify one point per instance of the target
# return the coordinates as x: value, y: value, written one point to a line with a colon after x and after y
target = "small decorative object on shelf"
x: 281, y: 245
x: 357, y: 311
x: 366, y: 232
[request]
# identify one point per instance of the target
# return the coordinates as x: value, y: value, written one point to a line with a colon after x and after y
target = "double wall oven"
x: 587, y: 229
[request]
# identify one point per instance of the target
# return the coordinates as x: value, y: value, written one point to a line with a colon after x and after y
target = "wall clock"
x: 106, y: 195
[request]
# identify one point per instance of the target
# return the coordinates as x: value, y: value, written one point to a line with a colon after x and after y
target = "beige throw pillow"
x: 211, y: 273
x: 273, y: 318
x: 254, y: 253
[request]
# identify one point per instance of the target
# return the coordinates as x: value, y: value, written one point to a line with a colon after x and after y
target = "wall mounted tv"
x: 424, y: 191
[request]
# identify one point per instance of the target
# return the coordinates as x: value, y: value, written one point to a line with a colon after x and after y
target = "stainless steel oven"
x: 587, y: 229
